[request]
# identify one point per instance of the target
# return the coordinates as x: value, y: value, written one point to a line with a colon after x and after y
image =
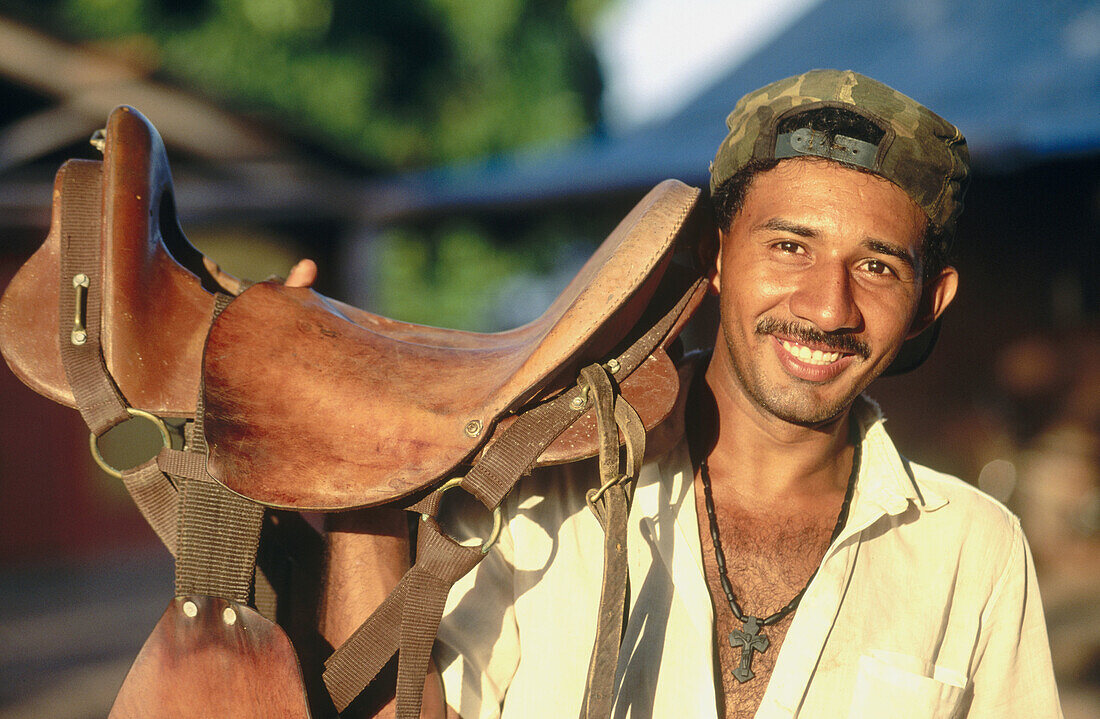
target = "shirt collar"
x: 885, y: 477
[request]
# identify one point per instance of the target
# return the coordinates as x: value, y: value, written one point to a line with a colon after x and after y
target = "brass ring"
x: 93, y: 440
x: 489, y: 541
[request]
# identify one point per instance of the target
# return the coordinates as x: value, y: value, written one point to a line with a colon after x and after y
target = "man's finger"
x: 302, y: 274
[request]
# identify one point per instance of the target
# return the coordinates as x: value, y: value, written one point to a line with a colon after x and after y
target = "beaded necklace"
x: 750, y: 637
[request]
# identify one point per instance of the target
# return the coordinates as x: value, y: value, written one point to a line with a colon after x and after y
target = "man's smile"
x: 809, y: 344
x: 809, y: 356
x: 810, y: 364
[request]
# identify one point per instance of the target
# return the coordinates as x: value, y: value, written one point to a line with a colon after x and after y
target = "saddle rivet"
x: 190, y: 609
x: 579, y: 402
x: 79, y: 337
x: 613, y: 366
x: 473, y: 428
x: 229, y: 616
x: 98, y: 140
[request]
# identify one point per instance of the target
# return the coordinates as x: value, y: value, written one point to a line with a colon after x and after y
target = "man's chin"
x: 803, y: 416
x: 800, y: 405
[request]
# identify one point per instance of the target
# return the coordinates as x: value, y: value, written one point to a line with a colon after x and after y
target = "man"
x: 785, y: 560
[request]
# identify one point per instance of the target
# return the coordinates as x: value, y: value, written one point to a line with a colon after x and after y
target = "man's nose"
x: 824, y: 297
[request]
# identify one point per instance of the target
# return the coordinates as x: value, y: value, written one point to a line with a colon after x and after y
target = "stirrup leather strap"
x: 611, y: 505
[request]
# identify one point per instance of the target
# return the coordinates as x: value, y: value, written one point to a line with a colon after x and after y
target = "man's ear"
x: 937, y: 294
x: 714, y: 271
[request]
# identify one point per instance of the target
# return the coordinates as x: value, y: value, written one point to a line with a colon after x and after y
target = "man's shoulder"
x: 961, y: 498
x: 961, y: 524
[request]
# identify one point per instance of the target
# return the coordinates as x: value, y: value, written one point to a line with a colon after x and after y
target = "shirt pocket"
x: 892, y: 685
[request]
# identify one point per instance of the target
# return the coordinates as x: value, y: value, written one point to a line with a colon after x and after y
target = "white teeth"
x: 805, y: 354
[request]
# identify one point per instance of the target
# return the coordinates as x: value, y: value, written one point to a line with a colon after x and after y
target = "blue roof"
x: 1021, y: 79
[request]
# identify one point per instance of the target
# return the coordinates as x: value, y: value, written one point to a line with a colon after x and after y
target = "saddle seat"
x: 351, y: 409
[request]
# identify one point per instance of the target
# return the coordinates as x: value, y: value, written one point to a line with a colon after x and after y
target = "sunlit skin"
x: 824, y: 257
x: 302, y: 274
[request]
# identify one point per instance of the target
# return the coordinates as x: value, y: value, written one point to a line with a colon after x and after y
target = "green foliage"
x: 415, y: 286
x: 453, y: 276
x: 398, y: 83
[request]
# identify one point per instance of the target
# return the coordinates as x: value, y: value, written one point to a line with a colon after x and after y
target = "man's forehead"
x: 807, y: 196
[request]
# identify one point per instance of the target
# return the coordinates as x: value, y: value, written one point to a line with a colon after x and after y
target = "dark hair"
x: 726, y: 202
x: 833, y: 121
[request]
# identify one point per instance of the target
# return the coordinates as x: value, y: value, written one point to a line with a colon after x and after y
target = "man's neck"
x: 759, y: 458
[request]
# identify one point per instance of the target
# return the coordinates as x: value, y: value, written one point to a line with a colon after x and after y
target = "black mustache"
x: 811, y: 335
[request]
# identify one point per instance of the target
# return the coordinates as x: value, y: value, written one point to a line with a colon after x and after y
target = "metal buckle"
x: 489, y: 541
x: 593, y: 495
x: 160, y: 425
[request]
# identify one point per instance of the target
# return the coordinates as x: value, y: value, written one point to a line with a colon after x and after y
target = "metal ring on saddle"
x: 157, y: 421
x: 489, y: 541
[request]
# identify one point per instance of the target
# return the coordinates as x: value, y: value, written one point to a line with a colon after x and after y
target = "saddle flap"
x: 351, y: 409
x: 155, y: 312
x: 208, y: 657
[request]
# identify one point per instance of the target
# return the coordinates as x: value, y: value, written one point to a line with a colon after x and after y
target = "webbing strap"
x: 512, y: 456
x: 218, y: 536
x: 219, y: 531
x: 504, y: 462
x: 80, y: 312
x: 80, y: 301
x: 407, y: 620
x: 156, y: 499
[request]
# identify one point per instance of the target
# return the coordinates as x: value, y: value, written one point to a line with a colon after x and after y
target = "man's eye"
x: 788, y: 246
x: 877, y: 267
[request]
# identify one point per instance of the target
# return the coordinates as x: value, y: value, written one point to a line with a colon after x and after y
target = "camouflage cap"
x: 919, y: 151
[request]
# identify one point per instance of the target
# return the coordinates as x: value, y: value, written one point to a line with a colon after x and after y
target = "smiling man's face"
x: 820, y: 281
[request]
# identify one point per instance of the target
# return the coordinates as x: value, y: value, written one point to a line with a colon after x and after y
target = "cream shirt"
x: 925, y: 606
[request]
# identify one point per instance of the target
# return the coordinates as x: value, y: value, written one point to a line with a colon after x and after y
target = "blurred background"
x: 453, y: 163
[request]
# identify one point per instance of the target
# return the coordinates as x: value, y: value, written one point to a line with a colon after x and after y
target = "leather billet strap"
x: 409, y: 618
x: 611, y: 506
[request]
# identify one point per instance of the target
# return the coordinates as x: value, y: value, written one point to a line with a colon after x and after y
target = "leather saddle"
x: 295, y: 400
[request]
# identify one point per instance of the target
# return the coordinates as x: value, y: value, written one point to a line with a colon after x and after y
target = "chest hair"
x: 769, y: 559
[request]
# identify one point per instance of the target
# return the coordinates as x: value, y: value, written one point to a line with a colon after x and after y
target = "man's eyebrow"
x: 888, y: 248
x: 780, y: 225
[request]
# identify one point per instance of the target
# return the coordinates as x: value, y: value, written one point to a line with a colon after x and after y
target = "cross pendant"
x: 748, y: 639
